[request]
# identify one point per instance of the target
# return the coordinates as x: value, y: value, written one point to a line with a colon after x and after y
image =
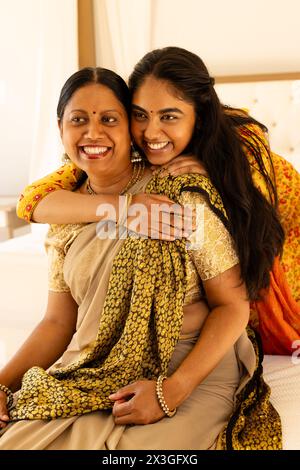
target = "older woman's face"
x: 162, y: 123
x: 94, y: 130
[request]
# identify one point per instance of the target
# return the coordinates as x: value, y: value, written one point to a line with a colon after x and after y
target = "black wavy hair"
x: 217, y: 143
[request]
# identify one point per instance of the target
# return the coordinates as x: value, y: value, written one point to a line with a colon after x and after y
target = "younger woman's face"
x: 162, y: 123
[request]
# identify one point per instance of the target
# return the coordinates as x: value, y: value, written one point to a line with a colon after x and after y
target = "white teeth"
x: 157, y: 145
x: 95, y: 150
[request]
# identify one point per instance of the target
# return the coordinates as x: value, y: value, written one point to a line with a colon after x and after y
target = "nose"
x: 152, y: 130
x: 95, y: 129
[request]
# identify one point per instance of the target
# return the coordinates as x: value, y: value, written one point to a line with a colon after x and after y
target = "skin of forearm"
x: 67, y: 207
x: 43, y: 347
x: 222, y: 328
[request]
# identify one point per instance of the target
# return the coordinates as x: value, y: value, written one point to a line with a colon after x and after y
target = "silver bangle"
x: 161, y: 398
x: 9, y: 395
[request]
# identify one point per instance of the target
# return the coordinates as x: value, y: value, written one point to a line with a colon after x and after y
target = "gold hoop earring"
x: 135, y: 155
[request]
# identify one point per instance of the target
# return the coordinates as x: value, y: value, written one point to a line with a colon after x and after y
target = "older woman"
x: 144, y: 327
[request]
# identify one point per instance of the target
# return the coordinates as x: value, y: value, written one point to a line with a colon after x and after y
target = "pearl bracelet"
x: 161, y: 398
x: 9, y: 394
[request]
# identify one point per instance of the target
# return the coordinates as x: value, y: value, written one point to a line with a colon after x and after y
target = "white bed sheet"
x: 283, y: 376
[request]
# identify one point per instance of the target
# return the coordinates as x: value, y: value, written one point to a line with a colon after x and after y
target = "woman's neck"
x: 112, y: 184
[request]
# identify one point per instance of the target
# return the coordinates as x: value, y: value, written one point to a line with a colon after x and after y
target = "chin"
x: 159, y: 159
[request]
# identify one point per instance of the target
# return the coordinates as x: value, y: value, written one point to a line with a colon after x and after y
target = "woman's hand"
x: 137, y: 403
x: 4, y: 416
x: 158, y: 217
x: 181, y: 165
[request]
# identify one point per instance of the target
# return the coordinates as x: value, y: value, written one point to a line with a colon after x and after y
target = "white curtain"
x: 38, y: 50
x: 123, y: 32
x: 57, y: 59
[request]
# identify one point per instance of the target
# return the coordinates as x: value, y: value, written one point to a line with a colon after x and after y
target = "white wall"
x: 18, y: 82
x: 38, y: 50
x: 231, y: 36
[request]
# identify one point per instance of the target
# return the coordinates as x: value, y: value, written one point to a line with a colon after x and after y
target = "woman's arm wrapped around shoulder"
x: 52, y: 200
x: 65, y: 178
x: 63, y: 205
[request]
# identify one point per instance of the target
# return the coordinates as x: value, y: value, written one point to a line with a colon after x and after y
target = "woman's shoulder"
x: 199, y: 189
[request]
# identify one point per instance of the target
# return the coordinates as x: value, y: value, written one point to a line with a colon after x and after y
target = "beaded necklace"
x: 137, y: 174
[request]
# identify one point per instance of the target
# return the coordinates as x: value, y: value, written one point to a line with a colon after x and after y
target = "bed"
x: 273, y: 100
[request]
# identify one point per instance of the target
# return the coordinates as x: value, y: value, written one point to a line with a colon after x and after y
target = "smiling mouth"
x: 156, y: 146
x: 94, y: 152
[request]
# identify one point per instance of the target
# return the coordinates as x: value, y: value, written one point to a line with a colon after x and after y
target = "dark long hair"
x: 89, y: 75
x: 253, y: 221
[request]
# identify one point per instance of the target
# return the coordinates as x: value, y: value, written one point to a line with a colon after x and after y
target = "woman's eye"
x: 109, y: 119
x: 168, y: 117
x: 77, y: 120
x: 139, y: 116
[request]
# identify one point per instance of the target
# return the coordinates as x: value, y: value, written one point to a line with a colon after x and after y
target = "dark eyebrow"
x: 77, y: 111
x: 135, y: 106
x: 161, y: 111
x: 105, y: 111
x: 170, y: 110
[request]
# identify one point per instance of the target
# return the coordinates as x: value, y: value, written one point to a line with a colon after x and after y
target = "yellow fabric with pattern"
x: 66, y: 177
x: 255, y: 424
x: 287, y: 181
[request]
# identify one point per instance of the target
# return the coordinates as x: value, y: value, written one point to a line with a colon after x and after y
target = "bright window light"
x: 3, y: 357
x: 2, y: 91
x: 296, y: 91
